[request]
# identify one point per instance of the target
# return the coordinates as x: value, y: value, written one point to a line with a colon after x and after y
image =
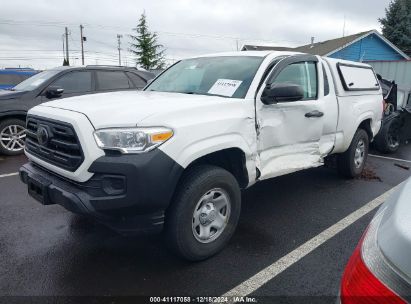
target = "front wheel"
x: 204, y: 214
x: 351, y: 163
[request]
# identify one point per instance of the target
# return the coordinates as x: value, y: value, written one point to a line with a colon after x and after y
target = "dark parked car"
x: 10, y: 77
x: 396, y: 123
x: 57, y: 83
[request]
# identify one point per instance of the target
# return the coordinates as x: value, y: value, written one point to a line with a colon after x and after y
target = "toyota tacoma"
x: 175, y: 156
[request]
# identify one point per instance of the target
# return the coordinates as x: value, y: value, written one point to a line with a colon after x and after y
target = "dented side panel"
x: 288, y: 141
x: 211, y: 128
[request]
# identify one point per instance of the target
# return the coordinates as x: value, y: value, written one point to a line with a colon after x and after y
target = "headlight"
x: 132, y: 140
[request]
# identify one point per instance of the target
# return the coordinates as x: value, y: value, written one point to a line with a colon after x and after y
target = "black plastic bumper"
x: 129, y: 193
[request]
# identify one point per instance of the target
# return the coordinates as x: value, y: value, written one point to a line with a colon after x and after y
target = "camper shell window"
x: 357, y: 77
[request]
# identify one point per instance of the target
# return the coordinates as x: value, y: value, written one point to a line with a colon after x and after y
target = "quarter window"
x: 75, y: 82
x: 303, y: 74
x: 112, y: 80
x: 137, y: 80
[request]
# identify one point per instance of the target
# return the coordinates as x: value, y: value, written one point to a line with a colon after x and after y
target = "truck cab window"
x: 303, y: 74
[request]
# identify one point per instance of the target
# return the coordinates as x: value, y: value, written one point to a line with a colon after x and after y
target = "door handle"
x: 314, y: 114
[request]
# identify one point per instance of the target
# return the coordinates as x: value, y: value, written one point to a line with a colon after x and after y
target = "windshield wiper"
x: 206, y: 94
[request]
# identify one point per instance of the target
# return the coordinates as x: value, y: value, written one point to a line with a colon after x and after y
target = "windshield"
x: 221, y: 76
x: 35, y: 81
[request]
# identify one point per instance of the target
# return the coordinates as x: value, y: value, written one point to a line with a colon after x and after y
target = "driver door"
x: 290, y: 132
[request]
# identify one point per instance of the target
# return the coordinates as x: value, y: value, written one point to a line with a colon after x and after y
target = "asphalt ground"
x: 48, y: 253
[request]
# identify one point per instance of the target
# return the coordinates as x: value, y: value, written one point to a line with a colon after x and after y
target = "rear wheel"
x: 351, y: 163
x: 204, y: 213
x: 12, y: 136
x: 388, y: 140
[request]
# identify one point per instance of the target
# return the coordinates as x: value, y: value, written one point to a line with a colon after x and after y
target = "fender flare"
x: 195, y: 150
x: 349, y: 137
x: 13, y: 113
x: 206, y: 146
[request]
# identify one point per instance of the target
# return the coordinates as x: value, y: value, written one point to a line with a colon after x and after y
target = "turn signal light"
x: 161, y: 137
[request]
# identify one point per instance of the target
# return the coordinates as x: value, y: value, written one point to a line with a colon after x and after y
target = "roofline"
x: 367, y: 34
x: 398, y: 60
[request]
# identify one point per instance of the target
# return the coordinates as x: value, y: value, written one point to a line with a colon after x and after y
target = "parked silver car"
x: 379, y: 271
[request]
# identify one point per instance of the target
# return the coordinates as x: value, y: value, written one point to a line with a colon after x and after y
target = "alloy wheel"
x: 12, y: 138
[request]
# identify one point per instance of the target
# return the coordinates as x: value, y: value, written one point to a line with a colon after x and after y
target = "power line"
x: 101, y: 42
x: 114, y: 28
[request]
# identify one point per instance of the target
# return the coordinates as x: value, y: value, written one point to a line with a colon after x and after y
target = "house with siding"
x: 371, y: 47
x: 364, y: 46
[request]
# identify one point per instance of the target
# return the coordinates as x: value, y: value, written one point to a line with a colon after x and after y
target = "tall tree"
x: 396, y: 25
x: 148, y: 53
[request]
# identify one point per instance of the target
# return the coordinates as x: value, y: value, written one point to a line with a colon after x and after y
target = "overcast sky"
x: 31, y: 30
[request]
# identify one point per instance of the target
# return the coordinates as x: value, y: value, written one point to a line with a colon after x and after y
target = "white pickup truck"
x: 176, y: 155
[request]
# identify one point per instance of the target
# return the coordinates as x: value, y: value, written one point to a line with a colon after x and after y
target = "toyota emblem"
x: 42, y: 136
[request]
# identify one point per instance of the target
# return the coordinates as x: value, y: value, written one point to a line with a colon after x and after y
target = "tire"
x: 12, y: 136
x: 183, y: 226
x: 351, y: 163
x: 388, y: 139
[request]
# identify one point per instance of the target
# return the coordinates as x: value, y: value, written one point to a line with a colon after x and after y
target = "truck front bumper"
x: 129, y: 193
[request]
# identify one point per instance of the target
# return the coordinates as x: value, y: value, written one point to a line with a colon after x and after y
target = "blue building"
x: 365, y: 46
x: 10, y: 77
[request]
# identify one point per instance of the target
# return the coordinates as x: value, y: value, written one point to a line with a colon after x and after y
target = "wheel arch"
x: 13, y: 115
x: 366, y: 126
x: 236, y: 150
x: 231, y: 159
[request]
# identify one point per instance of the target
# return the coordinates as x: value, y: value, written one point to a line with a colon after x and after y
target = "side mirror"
x: 282, y: 92
x: 54, y: 92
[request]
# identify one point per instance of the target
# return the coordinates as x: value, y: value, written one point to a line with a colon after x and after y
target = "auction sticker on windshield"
x: 225, y: 87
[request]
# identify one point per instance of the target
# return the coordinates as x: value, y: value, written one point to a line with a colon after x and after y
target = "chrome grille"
x: 55, y: 142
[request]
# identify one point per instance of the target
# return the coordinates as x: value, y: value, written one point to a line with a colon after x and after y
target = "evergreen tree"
x: 148, y: 53
x: 66, y: 62
x: 396, y: 25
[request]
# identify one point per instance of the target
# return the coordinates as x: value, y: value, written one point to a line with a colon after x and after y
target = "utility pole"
x: 64, y: 49
x: 67, y: 46
x: 82, y: 41
x: 119, y: 48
